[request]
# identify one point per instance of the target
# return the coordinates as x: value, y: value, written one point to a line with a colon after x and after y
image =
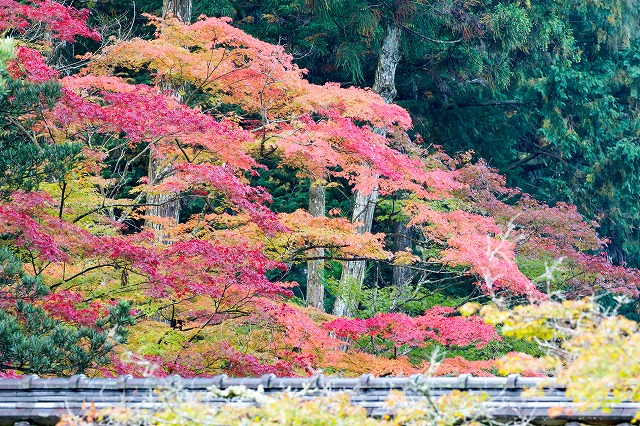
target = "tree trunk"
x: 353, y: 272
x: 385, y: 81
x: 384, y: 84
x: 166, y: 205
x: 181, y: 9
x: 315, y: 287
x: 161, y: 205
x: 402, y: 275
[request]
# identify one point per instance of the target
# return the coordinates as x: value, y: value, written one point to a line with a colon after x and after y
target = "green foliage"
x: 13, y: 278
x: 31, y: 341
x: 608, y: 303
x: 349, y: 58
x: 556, y: 112
x: 493, y: 350
x: 213, y: 8
x: 27, y: 158
x: 288, y: 192
x: 510, y: 25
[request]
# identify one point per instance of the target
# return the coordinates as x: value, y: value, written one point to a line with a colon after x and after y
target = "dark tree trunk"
x: 402, y: 275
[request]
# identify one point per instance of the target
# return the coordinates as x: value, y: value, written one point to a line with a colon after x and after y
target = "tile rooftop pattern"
x: 34, y: 400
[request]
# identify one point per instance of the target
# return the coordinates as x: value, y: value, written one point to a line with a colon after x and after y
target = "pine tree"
x: 27, y: 159
x: 33, y: 341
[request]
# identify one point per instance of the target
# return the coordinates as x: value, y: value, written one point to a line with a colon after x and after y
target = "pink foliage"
x: 63, y: 306
x: 28, y: 232
x: 10, y: 374
x: 30, y: 64
x: 542, y: 231
x: 478, y: 242
x: 138, y: 366
x: 336, y: 145
x: 200, y: 267
x: 111, y: 105
x: 143, y: 115
x: 437, y: 324
x: 298, y: 328
x: 193, y: 364
x: 248, y: 199
x: 455, y: 330
x: 243, y: 365
x: 64, y: 23
x: 230, y: 274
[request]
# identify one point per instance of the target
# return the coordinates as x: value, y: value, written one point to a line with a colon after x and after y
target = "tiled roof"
x: 42, y: 401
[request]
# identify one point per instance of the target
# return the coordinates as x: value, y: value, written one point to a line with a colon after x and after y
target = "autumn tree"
x: 269, y: 79
x: 166, y: 205
x: 111, y: 106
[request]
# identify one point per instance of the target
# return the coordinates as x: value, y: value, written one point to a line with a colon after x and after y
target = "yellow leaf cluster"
x: 591, y: 352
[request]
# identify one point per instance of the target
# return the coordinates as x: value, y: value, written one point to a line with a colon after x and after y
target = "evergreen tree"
x: 27, y: 159
x: 31, y: 339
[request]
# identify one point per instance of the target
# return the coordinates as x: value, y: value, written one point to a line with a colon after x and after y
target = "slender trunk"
x: 384, y: 84
x: 166, y: 205
x: 315, y: 287
x: 179, y: 8
x: 353, y: 272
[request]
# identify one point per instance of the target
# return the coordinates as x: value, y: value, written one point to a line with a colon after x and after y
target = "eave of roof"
x: 44, y: 400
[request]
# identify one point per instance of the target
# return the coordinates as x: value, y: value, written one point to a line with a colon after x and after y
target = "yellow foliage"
x: 469, y: 308
x: 592, y: 353
x: 457, y: 408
